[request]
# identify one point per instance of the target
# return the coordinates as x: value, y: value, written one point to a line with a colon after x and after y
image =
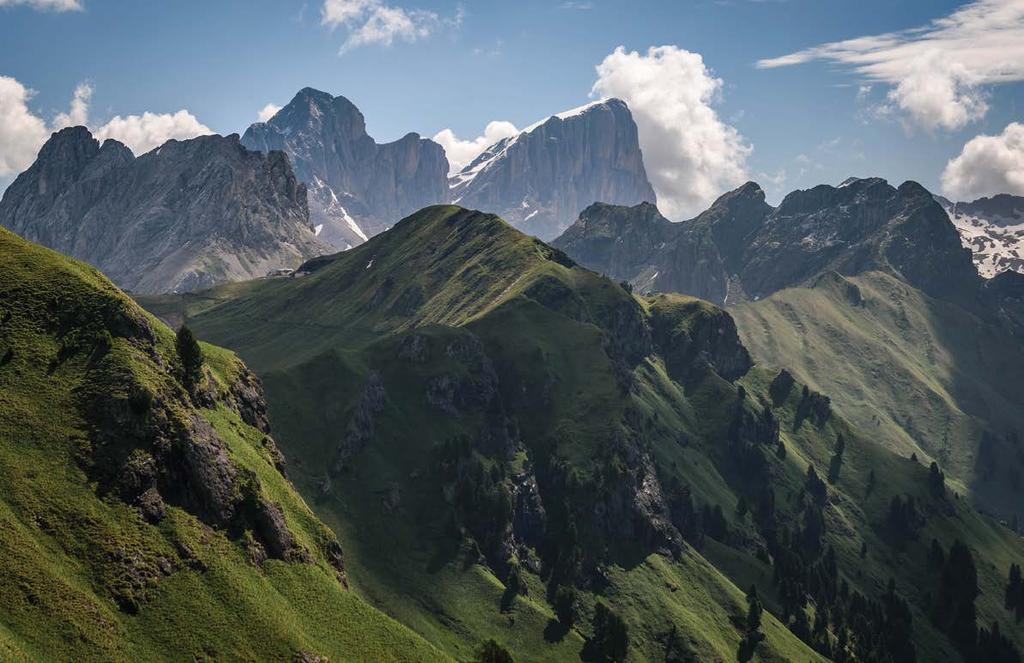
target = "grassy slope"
x: 63, y: 549
x: 918, y: 374
x: 320, y: 336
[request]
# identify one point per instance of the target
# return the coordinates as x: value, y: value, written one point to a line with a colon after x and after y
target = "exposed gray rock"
x: 185, y: 216
x: 743, y: 248
x: 249, y: 401
x: 361, y: 424
x: 540, y: 179
x: 357, y: 187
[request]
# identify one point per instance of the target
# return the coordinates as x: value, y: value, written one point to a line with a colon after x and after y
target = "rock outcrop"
x: 540, y: 179
x: 185, y: 216
x: 356, y: 186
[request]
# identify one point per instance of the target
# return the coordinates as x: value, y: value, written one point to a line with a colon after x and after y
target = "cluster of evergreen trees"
x: 1015, y: 593
x: 953, y: 611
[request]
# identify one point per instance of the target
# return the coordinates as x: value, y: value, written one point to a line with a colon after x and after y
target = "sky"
x: 788, y: 93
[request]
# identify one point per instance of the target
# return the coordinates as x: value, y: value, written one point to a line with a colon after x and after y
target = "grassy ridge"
x: 918, y: 374
x: 69, y: 555
x: 613, y: 400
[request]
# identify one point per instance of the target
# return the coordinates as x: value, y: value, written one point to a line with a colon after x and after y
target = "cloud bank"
x: 938, y: 73
x: 987, y: 165
x: 690, y: 154
x: 148, y: 131
x: 23, y: 132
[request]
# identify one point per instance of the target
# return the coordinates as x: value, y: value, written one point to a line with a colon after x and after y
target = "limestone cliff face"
x: 185, y: 216
x: 540, y: 179
x: 357, y: 187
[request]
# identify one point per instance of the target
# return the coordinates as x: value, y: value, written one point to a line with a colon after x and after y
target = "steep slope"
x: 356, y: 186
x: 141, y: 513
x: 187, y: 215
x: 741, y: 248
x: 505, y: 441
x: 540, y: 179
x: 924, y: 375
x: 993, y: 229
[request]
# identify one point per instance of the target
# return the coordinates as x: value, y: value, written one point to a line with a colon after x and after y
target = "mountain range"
x: 769, y: 432
x: 743, y: 248
x: 185, y: 216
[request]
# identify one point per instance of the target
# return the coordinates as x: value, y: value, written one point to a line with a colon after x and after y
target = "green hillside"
x: 918, y: 374
x: 505, y: 442
x: 141, y: 513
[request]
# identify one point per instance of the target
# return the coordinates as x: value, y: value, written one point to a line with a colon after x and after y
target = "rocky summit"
x: 185, y: 216
x: 742, y: 248
x: 540, y: 179
x: 356, y: 186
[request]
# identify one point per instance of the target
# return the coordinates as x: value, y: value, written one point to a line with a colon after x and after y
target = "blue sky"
x: 460, y: 65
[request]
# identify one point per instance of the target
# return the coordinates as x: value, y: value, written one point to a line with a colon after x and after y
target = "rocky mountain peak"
x: 356, y: 187
x: 741, y: 247
x: 184, y: 216
x: 540, y: 179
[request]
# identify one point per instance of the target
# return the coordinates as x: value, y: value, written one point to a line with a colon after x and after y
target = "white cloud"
x: 690, y: 154
x: 267, y: 112
x: 461, y: 152
x: 987, y: 165
x: 145, y: 132
x: 937, y: 73
x: 46, y: 5
x: 21, y: 132
x: 78, y: 114
x: 375, y: 22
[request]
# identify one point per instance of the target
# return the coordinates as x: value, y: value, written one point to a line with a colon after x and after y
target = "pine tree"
x: 954, y: 611
x: 190, y: 355
x: 754, y: 610
x: 492, y: 652
x: 611, y: 636
x: 936, y: 481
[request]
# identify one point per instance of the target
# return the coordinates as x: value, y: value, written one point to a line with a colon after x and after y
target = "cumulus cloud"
x: 938, y: 73
x: 690, y: 154
x: 461, y: 152
x: 21, y: 132
x: 78, y: 114
x: 376, y: 22
x: 267, y: 112
x: 987, y: 165
x: 46, y: 5
x: 145, y: 132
